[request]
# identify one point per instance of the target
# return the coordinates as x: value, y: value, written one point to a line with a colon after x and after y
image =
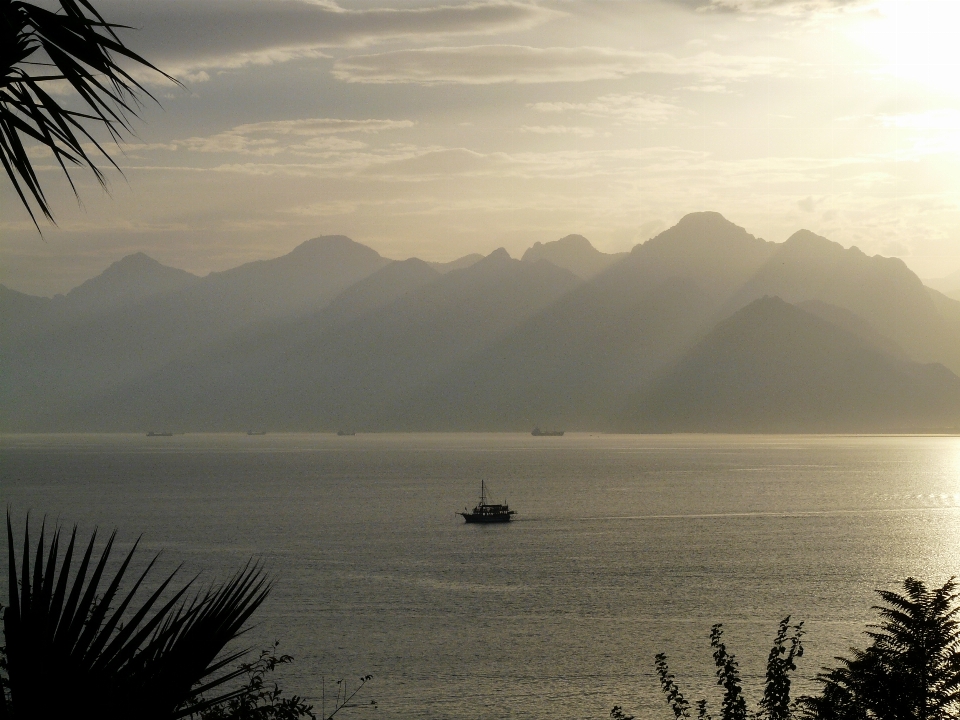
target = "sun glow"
x: 916, y: 40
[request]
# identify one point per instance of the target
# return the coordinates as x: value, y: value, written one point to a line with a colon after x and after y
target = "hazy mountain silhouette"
x: 458, y: 264
x: 127, y: 281
x: 333, y: 335
x: 773, y: 367
x: 303, y: 280
x: 853, y: 323
x: 380, y: 289
x: 573, y: 253
x: 882, y: 291
x: 53, y: 364
x: 949, y: 285
x: 344, y: 367
x: 20, y: 312
x: 706, y: 248
x: 571, y: 364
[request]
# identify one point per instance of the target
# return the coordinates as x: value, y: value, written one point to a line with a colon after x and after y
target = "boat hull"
x: 476, y: 518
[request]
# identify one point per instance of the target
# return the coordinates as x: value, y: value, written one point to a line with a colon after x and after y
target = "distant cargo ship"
x: 344, y: 433
x: 160, y: 434
x: 486, y: 512
x: 537, y: 432
x: 256, y: 432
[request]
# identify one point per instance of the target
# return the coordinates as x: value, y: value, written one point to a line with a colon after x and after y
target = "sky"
x: 438, y: 129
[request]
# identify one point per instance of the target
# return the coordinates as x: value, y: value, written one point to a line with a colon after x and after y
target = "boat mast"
x: 483, y: 493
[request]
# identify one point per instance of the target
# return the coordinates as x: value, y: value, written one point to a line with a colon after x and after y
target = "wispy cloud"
x: 791, y: 8
x: 186, y: 37
x: 311, y: 136
x: 622, y: 108
x: 488, y: 64
x: 559, y: 130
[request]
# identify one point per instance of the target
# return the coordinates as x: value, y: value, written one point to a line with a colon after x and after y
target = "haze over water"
x: 624, y: 546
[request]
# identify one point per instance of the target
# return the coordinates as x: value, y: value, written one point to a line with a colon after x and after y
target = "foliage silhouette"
x: 161, y: 661
x: 911, y: 671
x: 775, y: 703
x: 74, y: 45
x: 260, y: 700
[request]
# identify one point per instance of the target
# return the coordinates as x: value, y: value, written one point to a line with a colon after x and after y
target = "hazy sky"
x: 437, y: 130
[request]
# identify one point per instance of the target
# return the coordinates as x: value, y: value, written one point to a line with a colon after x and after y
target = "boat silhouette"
x: 537, y: 432
x: 485, y: 512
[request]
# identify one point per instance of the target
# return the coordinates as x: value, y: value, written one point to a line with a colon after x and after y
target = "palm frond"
x: 83, y: 636
x: 85, y: 51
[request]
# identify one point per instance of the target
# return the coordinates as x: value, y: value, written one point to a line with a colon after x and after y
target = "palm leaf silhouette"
x: 66, y: 641
x: 75, y: 45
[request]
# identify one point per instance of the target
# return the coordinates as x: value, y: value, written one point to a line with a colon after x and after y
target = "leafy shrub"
x: 775, y: 703
x: 911, y: 671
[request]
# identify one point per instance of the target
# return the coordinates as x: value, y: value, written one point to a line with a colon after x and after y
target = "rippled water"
x: 624, y: 546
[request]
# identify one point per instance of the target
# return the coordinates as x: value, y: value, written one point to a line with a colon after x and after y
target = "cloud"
x: 187, y: 36
x: 558, y: 130
x: 311, y: 136
x: 629, y: 108
x: 488, y: 64
x: 790, y: 8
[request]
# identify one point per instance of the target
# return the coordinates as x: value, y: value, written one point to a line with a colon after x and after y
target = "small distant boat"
x: 537, y: 432
x: 159, y: 434
x: 486, y: 512
x: 256, y: 432
x: 344, y: 433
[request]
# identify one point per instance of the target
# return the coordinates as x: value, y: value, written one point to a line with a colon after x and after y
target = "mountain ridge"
x: 332, y: 334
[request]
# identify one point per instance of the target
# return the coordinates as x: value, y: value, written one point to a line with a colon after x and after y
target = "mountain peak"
x: 572, y: 242
x: 705, y: 220
x: 137, y: 259
x: 574, y: 253
x: 704, y: 231
x: 330, y: 245
x: 705, y: 247
x: 500, y: 254
x: 129, y: 279
x: 810, y: 240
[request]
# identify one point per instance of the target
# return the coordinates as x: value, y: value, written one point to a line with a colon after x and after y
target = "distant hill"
x: 306, y: 278
x: 949, y: 285
x: 882, y: 291
x: 773, y: 367
x: 571, y: 364
x: 683, y: 332
x: 573, y: 253
x: 707, y: 249
x: 458, y: 264
x: 360, y: 370
x: 73, y: 352
x: 127, y: 281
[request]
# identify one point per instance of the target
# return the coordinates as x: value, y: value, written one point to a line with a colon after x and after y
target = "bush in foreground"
x: 910, y: 671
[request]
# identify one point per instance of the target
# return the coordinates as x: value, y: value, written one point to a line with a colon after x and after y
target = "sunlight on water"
x: 623, y: 546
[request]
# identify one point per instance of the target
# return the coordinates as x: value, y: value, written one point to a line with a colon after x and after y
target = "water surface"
x: 624, y: 546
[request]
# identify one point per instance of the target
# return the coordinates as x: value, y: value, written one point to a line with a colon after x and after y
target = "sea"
x: 623, y: 546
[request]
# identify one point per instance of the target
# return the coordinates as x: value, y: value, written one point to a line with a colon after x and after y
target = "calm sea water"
x: 624, y: 546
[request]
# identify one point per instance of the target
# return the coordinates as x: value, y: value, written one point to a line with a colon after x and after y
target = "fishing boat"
x: 486, y: 512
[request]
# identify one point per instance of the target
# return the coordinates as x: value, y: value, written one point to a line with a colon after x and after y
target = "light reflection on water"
x: 624, y: 546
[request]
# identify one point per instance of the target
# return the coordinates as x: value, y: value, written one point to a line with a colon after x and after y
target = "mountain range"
x: 701, y: 328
